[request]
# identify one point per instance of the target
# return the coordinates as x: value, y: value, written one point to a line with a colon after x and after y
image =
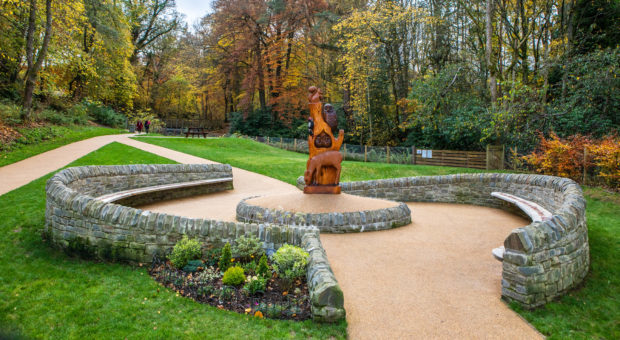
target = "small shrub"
x: 565, y: 158
x: 559, y: 157
x: 290, y: 262
x: 206, y: 290
x: 263, y: 268
x: 184, y: 251
x: 10, y: 113
x: 104, y: 115
x: 226, y: 294
x: 225, y: 258
x: 248, y: 247
x: 255, y: 284
x: 78, y: 114
x: 208, y: 275
x: 212, y: 256
x: 273, y: 311
x: 192, y: 266
x: 249, y: 267
x: 233, y: 276
x: 606, y: 154
x: 54, y: 117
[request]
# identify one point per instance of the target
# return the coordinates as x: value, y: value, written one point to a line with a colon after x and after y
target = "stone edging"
x: 77, y: 221
x: 326, y: 298
x: 342, y: 222
x: 544, y: 259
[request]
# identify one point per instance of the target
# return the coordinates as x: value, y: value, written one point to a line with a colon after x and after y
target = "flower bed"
x: 243, y: 284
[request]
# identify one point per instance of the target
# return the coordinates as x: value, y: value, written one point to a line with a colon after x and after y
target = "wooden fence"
x: 466, y: 159
x: 491, y: 159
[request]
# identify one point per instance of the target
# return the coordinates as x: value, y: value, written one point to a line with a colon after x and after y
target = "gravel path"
x: 434, y: 278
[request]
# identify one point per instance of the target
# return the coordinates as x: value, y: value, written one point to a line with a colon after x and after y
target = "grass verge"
x: 46, y: 294
x: 591, y: 311
x: 41, y: 139
x: 287, y: 166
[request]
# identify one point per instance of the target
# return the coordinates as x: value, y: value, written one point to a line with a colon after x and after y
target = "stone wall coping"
x: 145, y: 190
x: 337, y: 222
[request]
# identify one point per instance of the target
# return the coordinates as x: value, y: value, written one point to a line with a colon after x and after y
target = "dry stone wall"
x: 77, y: 220
x: 543, y: 260
x: 335, y: 222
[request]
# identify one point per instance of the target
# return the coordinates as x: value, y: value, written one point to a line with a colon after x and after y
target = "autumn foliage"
x: 568, y: 157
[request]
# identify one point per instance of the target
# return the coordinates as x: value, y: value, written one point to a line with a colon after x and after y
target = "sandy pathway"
x: 435, y: 278
x: 15, y: 175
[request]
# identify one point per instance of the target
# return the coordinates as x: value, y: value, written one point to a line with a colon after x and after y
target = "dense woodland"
x: 455, y: 74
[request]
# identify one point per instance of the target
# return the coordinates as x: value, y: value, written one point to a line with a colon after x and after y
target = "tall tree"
x: 149, y: 21
x: 490, y: 7
x: 35, y: 58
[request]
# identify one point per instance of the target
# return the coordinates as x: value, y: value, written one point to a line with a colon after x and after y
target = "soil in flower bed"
x: 276, y: 302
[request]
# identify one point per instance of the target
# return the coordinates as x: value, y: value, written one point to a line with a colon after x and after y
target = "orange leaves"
x: 7, y: 134
x: 606, y: 154
x: 568, y: 157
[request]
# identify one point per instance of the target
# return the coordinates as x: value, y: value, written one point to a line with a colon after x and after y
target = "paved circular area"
x: 304, y: 203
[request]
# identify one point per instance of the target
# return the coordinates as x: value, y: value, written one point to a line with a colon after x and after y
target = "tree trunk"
x: 34, y: 66
x: 568, y: 17
x: 489, y: 52
x: 261, y: 76
x: 545, y: 66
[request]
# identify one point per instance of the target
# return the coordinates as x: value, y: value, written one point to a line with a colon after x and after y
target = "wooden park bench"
x: 196, y: 131
x: 536, y: 212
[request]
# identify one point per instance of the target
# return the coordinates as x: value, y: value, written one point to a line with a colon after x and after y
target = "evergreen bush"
x: 233, y: 276
x: 225, y: 258
x: 248, y: 247
x: 184, y: 251
x: 290, y: 262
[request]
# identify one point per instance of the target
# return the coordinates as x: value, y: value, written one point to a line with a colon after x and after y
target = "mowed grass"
x: 287, y: 166
x: 590, y: 311
x: 70, y: 134
x: 47, y: 294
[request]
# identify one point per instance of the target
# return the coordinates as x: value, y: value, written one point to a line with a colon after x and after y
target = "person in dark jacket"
x: 147, y: 125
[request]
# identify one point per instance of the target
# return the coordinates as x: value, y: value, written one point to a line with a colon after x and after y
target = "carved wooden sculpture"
x: 322, y: 174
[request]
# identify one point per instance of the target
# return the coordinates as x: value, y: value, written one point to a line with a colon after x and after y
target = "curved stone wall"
x: 77, y: 220
x: 542, y: 260
x: 337, y: 222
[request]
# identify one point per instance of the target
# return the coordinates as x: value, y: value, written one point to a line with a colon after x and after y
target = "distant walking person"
x: 147, y: 125
x: 139, y: 126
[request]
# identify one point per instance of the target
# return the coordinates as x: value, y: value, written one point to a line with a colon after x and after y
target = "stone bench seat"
x: 536, y: 212
x: 533, y: 210
x: 117, y: 196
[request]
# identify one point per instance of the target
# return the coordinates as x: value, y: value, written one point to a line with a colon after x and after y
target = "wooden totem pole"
x: 322, y: 174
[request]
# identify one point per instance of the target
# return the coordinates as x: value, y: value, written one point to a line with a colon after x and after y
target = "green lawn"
x: 46, y: 294
x: 39, y: 140
x: 287, y: 165
x: 591, y: 311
